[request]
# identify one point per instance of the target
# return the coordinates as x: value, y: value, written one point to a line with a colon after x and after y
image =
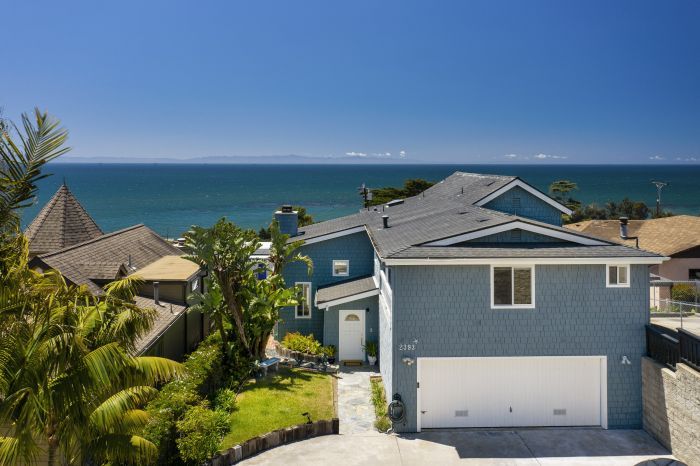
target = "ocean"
x: 169, y: 198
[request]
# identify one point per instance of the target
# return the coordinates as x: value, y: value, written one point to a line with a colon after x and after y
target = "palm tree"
x: 283, y: 253
x: 67, y: 380
x: 225, y: 250
x: 21, y: 163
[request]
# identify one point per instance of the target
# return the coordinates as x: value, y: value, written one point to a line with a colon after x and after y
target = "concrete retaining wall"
x: 274, y: 439
x: 672, y: 408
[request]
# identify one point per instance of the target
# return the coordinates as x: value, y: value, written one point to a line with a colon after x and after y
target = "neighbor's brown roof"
x: 169, y: 268
x: 666, y: 236
x: 107, y: 257
x: 166, y: 315
x: 61, y: 223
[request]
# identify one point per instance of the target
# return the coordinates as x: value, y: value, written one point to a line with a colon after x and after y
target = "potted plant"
x: 371, y: 350
x: 329, y: 351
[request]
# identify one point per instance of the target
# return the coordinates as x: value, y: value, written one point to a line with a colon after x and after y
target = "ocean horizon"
x: 171, y: 197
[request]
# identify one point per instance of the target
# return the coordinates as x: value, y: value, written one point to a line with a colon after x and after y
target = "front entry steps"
x: 353, y: 362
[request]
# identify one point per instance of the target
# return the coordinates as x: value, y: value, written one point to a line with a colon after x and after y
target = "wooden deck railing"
x: 662, y: 347
x: 689, y: 344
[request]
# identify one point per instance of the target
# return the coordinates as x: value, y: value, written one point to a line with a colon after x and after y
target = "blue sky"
x: 449, y: 81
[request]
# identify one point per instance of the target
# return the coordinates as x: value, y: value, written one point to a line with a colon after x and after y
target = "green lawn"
x: 277, y: 401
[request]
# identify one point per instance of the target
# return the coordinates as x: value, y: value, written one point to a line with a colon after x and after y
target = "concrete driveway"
x: 690, y: 323
x: 568, y: 447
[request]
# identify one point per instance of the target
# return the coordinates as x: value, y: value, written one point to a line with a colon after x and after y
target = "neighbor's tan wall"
x: 677, y: 269
x: 173, y: 292
x: 672, y: 408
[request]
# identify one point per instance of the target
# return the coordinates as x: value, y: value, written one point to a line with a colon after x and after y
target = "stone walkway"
x: 355, y: 409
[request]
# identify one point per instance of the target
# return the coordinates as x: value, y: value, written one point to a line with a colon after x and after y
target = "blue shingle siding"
x: 330, y: 328
x: 529, y: 206
x: 514, y: 236
x: 356, y: 248
x: 447, y: 309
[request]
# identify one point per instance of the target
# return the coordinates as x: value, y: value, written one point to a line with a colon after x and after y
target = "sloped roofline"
x: 521, y: 225
x: 94, y: 240
x: 517, y: 182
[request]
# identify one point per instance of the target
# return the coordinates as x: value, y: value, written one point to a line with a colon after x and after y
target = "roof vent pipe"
x: 155, y: 293
x: 385, y: 221
x: 623, y: 227
x: 624, y: 230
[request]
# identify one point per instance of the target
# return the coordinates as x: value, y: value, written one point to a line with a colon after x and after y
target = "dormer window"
x: 341, y: 268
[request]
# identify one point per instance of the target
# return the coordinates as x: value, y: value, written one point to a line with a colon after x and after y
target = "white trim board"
x: 518, y: 225
x: 347, y: 299
x: 337, y: 234
x: 521, y: 184
x: 529, y: 261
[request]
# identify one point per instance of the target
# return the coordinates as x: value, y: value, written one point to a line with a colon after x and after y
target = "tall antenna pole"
x: 659, y: 186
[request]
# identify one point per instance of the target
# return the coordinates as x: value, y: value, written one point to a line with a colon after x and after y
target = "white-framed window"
x: 617, y: 276
x: 512, y: 287
x: 341, y: 268
x: 303, y: 309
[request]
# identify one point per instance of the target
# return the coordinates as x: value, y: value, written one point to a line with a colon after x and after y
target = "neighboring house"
x: 61, y: 223
x: 677, y: 237
x: 487, y: 312
x: 99, y: 259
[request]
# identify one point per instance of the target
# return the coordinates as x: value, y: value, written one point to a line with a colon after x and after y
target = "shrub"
x: 203, y: 374
x: 382, y: 422
x: 685, y: 292
x: 295, y: 341
x: 225, y: 400
x: 329, y: 351
x: 201, y: 431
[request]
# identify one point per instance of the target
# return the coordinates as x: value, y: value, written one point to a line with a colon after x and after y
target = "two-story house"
x: 487, y: 312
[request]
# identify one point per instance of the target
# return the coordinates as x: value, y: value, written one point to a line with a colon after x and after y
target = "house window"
x: 195, y: 285
x: 512, y: 287
x: 693, y: 274
x: 303, y: 309
x: 341, y: 268
x: 618, y: 276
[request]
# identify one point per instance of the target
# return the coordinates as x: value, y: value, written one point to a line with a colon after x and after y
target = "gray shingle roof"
x: 102, y: 258
x: 344, y: 290
x: 167, y: 314
x: 443, y: 211
x: 62, y: 222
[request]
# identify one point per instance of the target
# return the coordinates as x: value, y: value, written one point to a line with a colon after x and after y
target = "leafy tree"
x: 560, y: 190
x: 411, y: 187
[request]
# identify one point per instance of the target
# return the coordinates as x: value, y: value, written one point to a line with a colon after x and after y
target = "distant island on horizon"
x: 293, y: 159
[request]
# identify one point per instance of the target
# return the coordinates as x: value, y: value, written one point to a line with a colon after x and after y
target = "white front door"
x: 351, y: 335
x: 528, y: 391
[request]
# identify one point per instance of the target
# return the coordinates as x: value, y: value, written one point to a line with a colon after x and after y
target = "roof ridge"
x: 94, y: 240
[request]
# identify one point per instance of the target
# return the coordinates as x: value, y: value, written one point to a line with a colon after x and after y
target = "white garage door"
x: 512, y: 392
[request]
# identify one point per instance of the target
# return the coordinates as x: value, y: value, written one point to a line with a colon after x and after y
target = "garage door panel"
x: 510, y: 392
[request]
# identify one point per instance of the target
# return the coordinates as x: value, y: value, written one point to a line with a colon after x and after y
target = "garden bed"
x: 382, y: 422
